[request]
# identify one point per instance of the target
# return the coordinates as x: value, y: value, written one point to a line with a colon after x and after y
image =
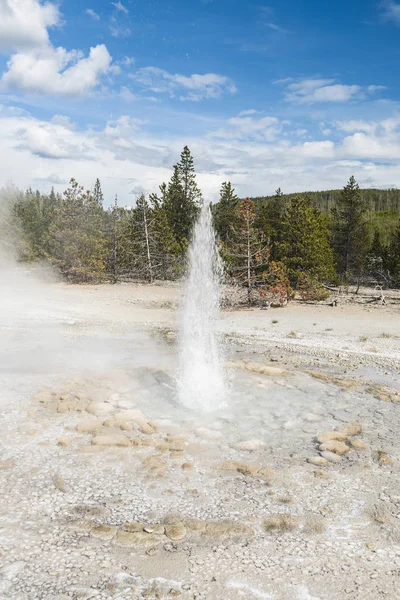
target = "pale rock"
x: 112, y: 439
x: 65, y: 440
x: 176, y: 532
x: 331, y: 456
x: 100, y: 409
x: 335, y: 446
x: 187, y: 466
x: 126, y: 427
x: 103, y: 532
x: 358, y: 445
x: 318, y: 461
x: 155, y: 529
x: 351, y: 429
x: 89, y: 425
x: 44, y: 396
x: 139, y: 539
x: 251, y: 445
x: 331, y: 435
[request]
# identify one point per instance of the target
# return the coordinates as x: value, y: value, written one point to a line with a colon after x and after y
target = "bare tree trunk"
x: 114, y: 244
x: 149, y: 264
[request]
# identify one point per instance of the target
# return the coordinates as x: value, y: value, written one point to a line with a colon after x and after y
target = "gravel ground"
x: 110, y: 490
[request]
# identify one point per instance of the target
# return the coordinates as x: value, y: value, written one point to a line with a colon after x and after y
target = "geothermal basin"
x: 112, y: 489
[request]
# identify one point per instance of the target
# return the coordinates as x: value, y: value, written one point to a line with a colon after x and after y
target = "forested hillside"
x: 274, y: 245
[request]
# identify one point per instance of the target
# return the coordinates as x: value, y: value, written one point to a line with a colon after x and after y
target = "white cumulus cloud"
x: 56, y: 71
x: 192, y: 87
x: 24, y: 23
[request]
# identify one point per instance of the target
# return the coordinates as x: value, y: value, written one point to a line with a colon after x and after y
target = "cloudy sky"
x: 297, y: 95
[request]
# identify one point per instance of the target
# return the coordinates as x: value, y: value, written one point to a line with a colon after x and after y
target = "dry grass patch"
x: 380, y: 514
x: 280, y: 523
x: 314, y: 524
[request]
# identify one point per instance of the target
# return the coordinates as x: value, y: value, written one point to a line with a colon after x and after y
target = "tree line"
x: 277, y: 245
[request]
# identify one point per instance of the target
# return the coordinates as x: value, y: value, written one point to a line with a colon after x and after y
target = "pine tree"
x: 246, y: 253
x: 377, y: 260
x: 98, y: 193
x: 393, y: 262
x: 270, y: 220
x: 305, y: 247
x: 350, y: 232
x: 192, y: 193
x: 182, y: 199
x: 79, y: 242
x: 224, y: 211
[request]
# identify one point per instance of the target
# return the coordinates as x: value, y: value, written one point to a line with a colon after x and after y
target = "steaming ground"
x: 111, y: 490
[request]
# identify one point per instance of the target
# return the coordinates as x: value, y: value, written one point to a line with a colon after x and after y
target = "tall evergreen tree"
x: 187, y: 174
x: 98, y: 193
x: 79, y: 242
x: 270, y: 220
x: 304, y: 247
x: 350, y: 231
x: 224, y: 211
x: 246, y: 253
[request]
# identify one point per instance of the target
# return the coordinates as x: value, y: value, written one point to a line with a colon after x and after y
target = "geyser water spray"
x: 201, y: 382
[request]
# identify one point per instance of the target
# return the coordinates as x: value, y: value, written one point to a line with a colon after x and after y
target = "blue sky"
x: 293, y: 94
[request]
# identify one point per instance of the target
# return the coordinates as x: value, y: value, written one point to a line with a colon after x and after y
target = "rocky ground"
x: 110, y: 490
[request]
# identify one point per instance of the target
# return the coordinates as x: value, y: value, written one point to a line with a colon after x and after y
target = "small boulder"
x: 331, y: 435
x: 176, y: 532
x: 89, y: 425
x: 103, y: 532
x: 65, y: 440
x: 358, y: 445
x: 331, y: 456
x: 112, y: 439
x: 351, y: 429
x: 335, y: 446
x: 251, y: 445
x: 100, y: 409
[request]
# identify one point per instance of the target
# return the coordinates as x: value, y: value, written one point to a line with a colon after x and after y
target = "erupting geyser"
x: 201, y: 382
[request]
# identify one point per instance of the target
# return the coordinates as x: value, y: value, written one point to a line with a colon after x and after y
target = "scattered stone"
x: 103, y: 532
x: 383, y: 458
x: 100, y: 409
x: 89, y: 425
x: 251, y: 445
x: 64, y: 441
x: 155, y: 529
x: 331, y: 435
x: 176, y: 443
x: 70, y: 403
x: 187, y: 466
x: 59, y: 483
x: 44, y: 396
x: 154, y: 460
x: 358, y: 445
x: 176, y: 532
x: 318, y: 461
x: 331, y: 456
x: 351, y: 429
x: 127, y: 427
x: 112, y: 439
x: 132, y: 527
x: 335, y: 446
